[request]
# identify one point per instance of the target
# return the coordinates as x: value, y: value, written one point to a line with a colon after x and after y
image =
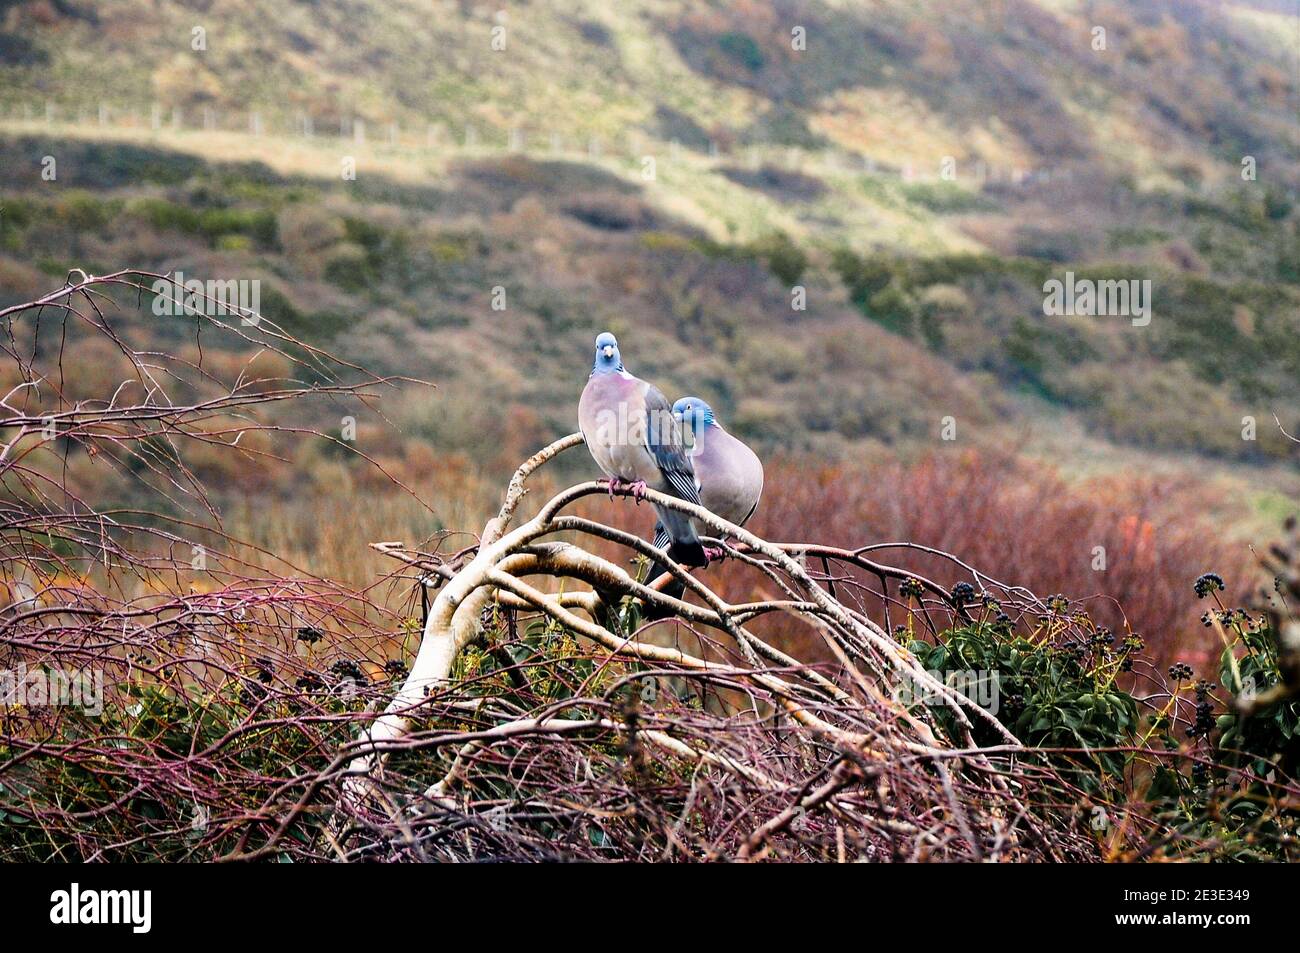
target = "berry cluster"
x: 963, y: 594
x: 1132, y: 644
x: 265, y: 670
x: 1180, y: 671
x: 1208, y: 583
x: 346, y: 668
x: 1225, y: 617
x: 1204, y: 712
x: 310, y: 634
x: 912, y: 587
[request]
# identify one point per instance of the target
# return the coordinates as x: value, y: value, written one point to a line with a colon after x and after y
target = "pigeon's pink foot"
x: 614, y: 483
x: 638, y: 490
x: 714, y: 553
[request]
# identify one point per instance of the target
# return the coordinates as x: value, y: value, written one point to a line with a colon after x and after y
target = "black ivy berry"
x: 1180, y: 671
x: 963, y: 594
x: 1204, y: 723
x: 1132, y: 643
x: 912, y: 587
x: 346, y: 668
x: 310, y: 682
x: 395, y: 668
x: 265, y: 670
x: 310, y: 634
x: 1207, y: 583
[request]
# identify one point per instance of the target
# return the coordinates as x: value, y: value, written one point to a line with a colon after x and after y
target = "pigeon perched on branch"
x: 632, y: 435
x: 728, y: 474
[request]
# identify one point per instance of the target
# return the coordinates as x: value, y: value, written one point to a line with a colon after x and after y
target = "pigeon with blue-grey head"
x: 634, y: 438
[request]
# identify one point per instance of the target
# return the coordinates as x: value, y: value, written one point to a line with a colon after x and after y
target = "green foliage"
x: 85, y: 211
x: 1230, y: 802
x: 945, y: 198
x: 783, y: 257
x: 164, y: 215
x: 258, y: 224
x: 1048, y: 696
x: 1268, y: 740
x: 1215, y: 796
x: 743, y: 49
x: 213, y: 224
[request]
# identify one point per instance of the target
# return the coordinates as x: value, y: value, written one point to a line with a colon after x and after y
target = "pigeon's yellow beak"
x: 608, y: 350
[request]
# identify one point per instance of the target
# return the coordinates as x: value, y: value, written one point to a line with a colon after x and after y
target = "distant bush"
x: 350, y: 267
x: 507, y: 180
x: 164, y: 215
x: 82, y: 210
x: 743, y: 49
x: 1020, y: 520
x: 946, y: 198
x: 612, y: 212
x: 783, y: 257
x: 258, y: 225
x: 90, y: 164
x: 781, y: 184
x: 595, y: 33
x: 677, y: 126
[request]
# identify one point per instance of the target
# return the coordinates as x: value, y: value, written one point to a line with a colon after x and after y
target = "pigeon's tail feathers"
x: 680, y: 529
x: 661, y: 542
x: 674, y: 587
x: 688, y: 554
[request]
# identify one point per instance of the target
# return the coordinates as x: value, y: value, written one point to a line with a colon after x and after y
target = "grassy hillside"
x: 401, y: 275
x: 774, y: 169
x: 1177, y: 88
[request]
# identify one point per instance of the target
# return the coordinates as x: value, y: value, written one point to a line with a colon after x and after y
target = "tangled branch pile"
x: 250, y: 713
